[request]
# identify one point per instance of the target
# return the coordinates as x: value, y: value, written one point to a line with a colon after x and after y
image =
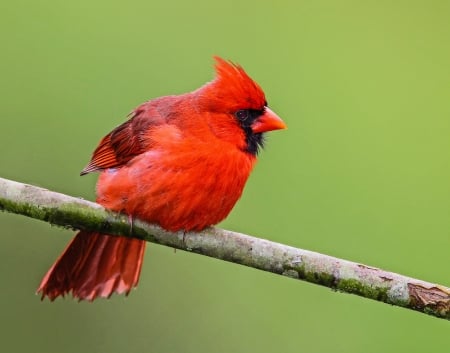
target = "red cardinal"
x: 179, y: 161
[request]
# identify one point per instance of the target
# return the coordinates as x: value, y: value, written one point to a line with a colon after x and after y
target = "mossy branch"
x: 338, y: 274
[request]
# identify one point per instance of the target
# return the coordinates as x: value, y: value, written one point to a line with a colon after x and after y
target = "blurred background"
x: 362, y: 172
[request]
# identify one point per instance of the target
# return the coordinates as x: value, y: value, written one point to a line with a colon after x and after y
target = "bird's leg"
x: 183, y: 241
x: 184, y: 238
x: 130, y: 219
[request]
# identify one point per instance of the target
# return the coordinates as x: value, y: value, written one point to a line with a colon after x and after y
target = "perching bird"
x: 179, y: 161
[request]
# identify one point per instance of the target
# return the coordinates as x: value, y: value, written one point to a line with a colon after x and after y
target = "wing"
x: 126, y: 141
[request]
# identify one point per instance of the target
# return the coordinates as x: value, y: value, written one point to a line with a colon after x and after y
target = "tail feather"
x: 94, y: 265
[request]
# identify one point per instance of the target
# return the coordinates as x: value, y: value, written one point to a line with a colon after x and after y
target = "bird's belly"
x: 179, y: 194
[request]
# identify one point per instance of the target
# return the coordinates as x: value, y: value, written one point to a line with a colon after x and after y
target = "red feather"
x: 179, y: 161
x: 93, y: 265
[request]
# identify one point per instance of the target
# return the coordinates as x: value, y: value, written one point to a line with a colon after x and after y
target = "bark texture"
x: 338, y: 274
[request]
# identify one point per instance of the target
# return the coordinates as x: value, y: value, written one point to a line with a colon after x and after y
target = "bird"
x: 179, y: 161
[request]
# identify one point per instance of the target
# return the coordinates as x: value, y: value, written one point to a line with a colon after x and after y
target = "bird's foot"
x: 130, y: 220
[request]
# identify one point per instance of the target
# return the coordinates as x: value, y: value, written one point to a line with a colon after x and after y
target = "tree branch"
x: 338, y: 274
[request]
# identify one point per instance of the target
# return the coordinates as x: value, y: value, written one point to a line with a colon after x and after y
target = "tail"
x: 94, y: 265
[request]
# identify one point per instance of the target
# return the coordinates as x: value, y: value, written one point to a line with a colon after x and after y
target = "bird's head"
x: 237, y: 107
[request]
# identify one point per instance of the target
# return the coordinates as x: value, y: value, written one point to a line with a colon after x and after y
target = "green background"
x: 362, y: 173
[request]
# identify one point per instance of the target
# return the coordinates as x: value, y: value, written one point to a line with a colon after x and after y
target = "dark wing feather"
x: 125, y: 142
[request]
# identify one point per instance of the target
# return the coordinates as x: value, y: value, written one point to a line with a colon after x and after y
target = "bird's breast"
x: 189, y: 187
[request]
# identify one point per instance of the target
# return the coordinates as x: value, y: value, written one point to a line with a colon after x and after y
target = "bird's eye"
x: 243, y: 114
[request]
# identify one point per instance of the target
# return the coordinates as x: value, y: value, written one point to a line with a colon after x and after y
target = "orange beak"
x: 267, y: 122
